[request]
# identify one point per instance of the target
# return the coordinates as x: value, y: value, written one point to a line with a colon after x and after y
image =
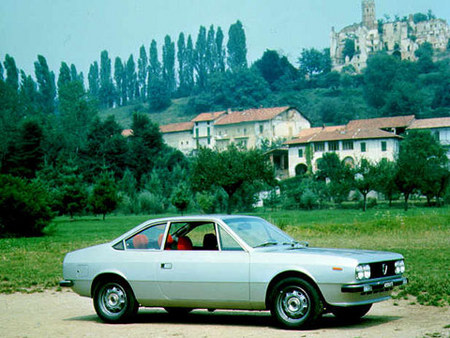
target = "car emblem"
x: 384, y: 268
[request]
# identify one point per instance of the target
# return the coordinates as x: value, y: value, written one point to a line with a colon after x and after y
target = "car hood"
x: 362, y: 256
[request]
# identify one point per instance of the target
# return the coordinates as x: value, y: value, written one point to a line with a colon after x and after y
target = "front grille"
x: 376, y: 269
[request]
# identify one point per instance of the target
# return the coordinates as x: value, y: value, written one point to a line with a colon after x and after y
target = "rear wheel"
x: 295, y: 303
x: 350, y: 313
x: 114, y: 301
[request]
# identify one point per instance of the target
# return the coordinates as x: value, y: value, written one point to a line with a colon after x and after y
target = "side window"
x: 192, y: 236
x: 149, y: 238
x: 227, y: 243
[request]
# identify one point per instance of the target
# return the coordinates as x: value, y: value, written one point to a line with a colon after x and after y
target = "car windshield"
x: 257, y: 233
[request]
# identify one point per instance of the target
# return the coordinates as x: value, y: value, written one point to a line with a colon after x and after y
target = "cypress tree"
x: 181, y: 57
x: 201, y: 67
x: 220, y: 52
x: 236, y: 46
x: 93, y: 79
x: 211, y: 51
x: 190, y: 65
x: 119, y: 77
x: 12, y: 74
x: 130, y: 78
x: 28, y: 92
x: 106, y: 87
x: 64, y: 76
x: 46, y: 85
x: 142, y: 72
x: 169, y: 64
x: 1, y: 72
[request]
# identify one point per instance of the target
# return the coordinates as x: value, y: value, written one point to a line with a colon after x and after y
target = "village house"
x: 247, y: 128
x: 439, y: 127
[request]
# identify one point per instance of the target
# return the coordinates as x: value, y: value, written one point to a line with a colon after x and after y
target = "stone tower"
x: 369, y: 19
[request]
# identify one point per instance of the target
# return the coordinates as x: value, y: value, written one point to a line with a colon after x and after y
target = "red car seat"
x: 184, y: 243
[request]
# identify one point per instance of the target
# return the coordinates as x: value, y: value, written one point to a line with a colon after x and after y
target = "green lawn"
x: 422, y: 235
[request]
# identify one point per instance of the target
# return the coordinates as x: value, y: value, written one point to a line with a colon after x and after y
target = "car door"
x: 202, y: 277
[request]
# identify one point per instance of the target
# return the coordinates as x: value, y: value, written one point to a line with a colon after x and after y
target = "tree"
x: 181, y: 197
x: 349, y: 49
x: 379, y: 78
x: 64, y: 76
x: 425, y: 58
x: 418, y: 151
x: 28, y: 94
x: 104, y: 198
x: 106, y: 90
x: 236, y: 47
x: 385, y: 173
x: 365, y: 179
x: 169, y: 64
x: 130, y: 78
x: 142, y: 72
x: 313, y: 62
x: 1, y: 73
x: 25, y: 154
x: 24, y: 207
x: 73, y: 194
x: 244, y: 88
x: 12, y: 74
x: 158, y: 95
x: 93, y: 79
x: 231, y: 170
x: 155, y: 65
x: 46, y: 85
x: 273, y: 67
x: 220, y: 52
x: 211, y: 51
x: 121, y: 82
x: 201, y: 67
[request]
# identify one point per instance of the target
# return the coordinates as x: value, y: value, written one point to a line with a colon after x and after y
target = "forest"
x: 60, y: 153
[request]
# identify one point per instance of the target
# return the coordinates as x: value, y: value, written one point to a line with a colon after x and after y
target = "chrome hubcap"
x: 294, y: 303
x: 113, y: 299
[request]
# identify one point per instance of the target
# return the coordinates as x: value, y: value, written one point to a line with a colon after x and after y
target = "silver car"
x: 229, y: 262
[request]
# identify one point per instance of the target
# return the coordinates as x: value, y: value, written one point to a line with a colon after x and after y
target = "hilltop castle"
x: 351, y: 47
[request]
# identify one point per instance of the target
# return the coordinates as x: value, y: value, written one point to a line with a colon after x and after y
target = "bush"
x: 150, y: 203
x: 205, y: 201
x: 24, y: 207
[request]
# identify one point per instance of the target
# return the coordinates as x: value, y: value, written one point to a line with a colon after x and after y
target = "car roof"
x: 190, y: 218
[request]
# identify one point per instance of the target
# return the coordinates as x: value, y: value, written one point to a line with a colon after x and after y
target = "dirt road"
x: 65, y: 314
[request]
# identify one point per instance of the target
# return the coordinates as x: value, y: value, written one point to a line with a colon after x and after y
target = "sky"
x: 76, y: 31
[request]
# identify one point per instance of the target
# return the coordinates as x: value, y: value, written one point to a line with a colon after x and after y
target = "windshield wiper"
x: 266, y: 244
x: 297, y: 244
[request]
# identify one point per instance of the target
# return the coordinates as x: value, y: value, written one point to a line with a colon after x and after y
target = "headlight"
x: 362, y: 271
x: 399, y: 267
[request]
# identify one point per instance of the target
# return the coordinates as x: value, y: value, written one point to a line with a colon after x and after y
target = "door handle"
x: 166, y: 265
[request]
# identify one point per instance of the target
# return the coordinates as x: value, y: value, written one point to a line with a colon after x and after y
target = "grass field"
x: 422, y: 235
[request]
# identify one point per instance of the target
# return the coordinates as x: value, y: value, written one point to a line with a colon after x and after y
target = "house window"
x: 209, y: 132
x: 245, y: 131
x: 436, y: 135
x: 363, y: 147
x: 300, y: 153
x: 333, y: 145
x: 347, y: 145
x: 209, y: 140
x: 196, y: 132
x: 319, y: 146
x: 383, y: 146
x: 261, y: 128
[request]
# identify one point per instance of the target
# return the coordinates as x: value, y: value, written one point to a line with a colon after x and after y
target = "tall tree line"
x: 177, y: 69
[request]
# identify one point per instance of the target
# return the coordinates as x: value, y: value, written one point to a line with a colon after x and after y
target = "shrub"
x: 205, y: 201
x: 24, y: 207
x: 150, y: 203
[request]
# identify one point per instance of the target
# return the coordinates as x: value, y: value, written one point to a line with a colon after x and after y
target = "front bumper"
x: 375, y: 286
x: 66, y: 283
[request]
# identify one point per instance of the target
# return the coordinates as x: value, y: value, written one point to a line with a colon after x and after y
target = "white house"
x: 351, y: 145
x: 440, y: 127
x: 179, y: 136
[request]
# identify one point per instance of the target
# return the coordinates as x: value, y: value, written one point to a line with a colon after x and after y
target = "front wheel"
x: 114, y: 302
x: 295, y: 303
x: 350, y: 313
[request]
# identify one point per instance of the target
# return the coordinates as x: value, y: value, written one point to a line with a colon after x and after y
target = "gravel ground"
x: 65, y: 314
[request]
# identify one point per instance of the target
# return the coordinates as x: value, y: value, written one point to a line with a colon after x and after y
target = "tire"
x: 350, y: 313
x: 114, y: 301
x: 295, y: 303
x: 178, y: 311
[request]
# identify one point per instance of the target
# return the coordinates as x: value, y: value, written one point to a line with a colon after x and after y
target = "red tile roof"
x: 250, y: 115
x: 337, y: 134
x: 176, y: 127
x: 382, y: 122
x: 440, y: 122
x: 211, y: 116
x: 127, y: 132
